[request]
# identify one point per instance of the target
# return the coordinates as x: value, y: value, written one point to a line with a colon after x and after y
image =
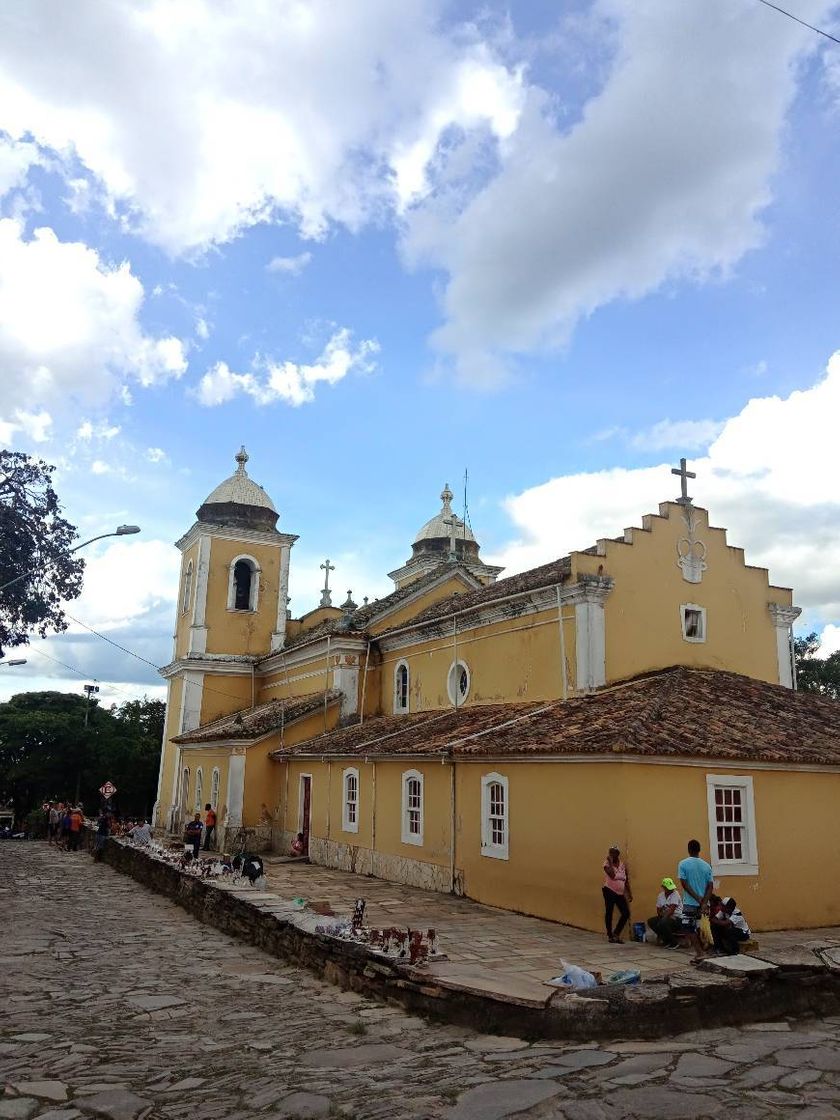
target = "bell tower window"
x: 243, y: 584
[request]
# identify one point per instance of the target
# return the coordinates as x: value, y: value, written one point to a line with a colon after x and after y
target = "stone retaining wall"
x: 687, y: 1000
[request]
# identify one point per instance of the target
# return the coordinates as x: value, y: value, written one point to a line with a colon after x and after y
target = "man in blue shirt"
x: 696, y: 880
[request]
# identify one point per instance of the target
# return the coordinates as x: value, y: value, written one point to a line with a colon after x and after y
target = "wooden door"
x: 305, y: 809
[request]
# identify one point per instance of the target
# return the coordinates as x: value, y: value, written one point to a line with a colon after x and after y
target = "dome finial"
x: 241, y: 458
x: 446, y: 497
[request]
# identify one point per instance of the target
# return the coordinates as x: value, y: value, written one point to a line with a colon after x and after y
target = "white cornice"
x: 209, y: 663
x: 232, y: 533
x: 311, y: 651
x: 783, y: 615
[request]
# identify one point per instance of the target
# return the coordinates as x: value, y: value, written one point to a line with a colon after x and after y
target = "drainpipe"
x: 563, y: 674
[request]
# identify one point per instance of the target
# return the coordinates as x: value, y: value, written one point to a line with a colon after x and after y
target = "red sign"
x: 108, y: 790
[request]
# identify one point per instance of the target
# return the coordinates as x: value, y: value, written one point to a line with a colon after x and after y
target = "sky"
x: 539, y: 251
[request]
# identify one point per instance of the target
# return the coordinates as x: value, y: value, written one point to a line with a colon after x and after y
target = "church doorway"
x: 305, y: 809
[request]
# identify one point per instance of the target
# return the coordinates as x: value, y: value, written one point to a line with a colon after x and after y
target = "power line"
x: 796, y: 19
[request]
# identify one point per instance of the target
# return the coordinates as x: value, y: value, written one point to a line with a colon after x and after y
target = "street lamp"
x: 9, y: 664
x: 120, y: 531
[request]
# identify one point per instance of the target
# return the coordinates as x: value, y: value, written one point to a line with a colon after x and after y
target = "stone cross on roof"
x: 326, y: 597
x: 685, y: 475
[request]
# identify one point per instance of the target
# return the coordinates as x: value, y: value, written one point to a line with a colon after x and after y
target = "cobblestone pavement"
x: 114, y: 1003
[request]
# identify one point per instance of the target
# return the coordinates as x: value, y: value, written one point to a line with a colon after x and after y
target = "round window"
x: 458, y: 682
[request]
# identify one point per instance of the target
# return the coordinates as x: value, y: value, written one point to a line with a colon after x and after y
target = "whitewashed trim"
x: 402, y: 709
x: 407, y: 836
x: 254, y: 594
x: 224, y: 533
x: 684, y: 608
x: 452, y: 689
x: 351, y: 773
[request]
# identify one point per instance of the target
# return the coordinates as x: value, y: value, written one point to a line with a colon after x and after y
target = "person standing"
x: 103, y: 829
x: 697, y: 882
x: 209, y: 827
x: 192, y: 834
x: 77, y: 820
x: 55, y: 820
x: 617, y: 894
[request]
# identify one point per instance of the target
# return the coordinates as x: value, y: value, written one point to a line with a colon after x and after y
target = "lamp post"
x: 120, y: 531
x: 13, y: 662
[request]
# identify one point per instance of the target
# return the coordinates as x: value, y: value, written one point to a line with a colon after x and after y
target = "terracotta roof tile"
x: 678, y: 712
x: 252, y: 723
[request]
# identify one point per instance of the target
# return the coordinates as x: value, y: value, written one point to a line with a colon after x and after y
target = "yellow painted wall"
x: 170, y: 752
x: 300, y: 679
x: 517, y: 659
x: 642, y: 612
x: 239, y: 632
x: 265, y: 778
x: 207, y: 760
x: 452, y: 586
x: 223, y: 694
x: 183, y: 618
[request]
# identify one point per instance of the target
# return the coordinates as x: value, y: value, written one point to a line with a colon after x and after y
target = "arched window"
x: 214, y: 788
x: 185, y: 789
x: 199, y: 789
x: 412, y: 807
x: 458, y: 683
x: 243, y: 584
x: 401, y: 688
x: 188, y: 578
x: 350, y: 800
x: 495, y: 833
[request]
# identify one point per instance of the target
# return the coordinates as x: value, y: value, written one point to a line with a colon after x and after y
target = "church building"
x: 492, y: 737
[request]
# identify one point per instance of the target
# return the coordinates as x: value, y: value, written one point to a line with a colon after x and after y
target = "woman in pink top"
x: 617, y: 894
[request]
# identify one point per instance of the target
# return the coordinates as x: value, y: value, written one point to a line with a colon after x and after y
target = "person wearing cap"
x: 669, y: 911
x: 617, y: 894
x: 729, y: 926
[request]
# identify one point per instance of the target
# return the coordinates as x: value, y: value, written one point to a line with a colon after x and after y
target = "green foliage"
x: 813, y: 673
x: 47, y: 753
x: 35, y: 543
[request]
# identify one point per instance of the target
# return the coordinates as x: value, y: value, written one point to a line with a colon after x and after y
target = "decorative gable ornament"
x: 691, y: 551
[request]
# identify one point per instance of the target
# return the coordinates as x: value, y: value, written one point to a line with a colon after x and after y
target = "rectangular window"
x: 494, y: 816
x: 693, y: 620
x: 732, y: 839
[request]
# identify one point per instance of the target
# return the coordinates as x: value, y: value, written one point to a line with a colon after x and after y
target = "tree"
x: 47, y: 753
x: 813, y: 673
x: 35, y: 544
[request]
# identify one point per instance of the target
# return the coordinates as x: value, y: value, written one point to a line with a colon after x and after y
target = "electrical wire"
x: 796, y: 19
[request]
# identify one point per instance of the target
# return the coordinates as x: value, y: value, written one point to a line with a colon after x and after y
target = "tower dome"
x: 239, y: 501
x: 439, y: 528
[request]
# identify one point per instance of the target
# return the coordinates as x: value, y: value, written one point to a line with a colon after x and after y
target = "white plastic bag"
x: 573, y: 976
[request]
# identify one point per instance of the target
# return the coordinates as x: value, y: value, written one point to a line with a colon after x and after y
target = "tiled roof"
x: 675, y: 713
x: 361, y: 618
x: 546, y: 575
x: 252, y: 723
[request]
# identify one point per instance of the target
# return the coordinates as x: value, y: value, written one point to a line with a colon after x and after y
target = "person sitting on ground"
x: 669, y: 912
x: 617, y: 894
x: 729, y: 926
x: 298, y: 845
x: 141, y: 834
x: 192, y: 834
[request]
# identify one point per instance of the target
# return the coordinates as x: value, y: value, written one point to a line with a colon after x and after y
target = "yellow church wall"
x: 512, y: 660
x: 183, y: 617
x: 170, y: 751
x: 642, y: 612
x: 301, y: 679
x: 405, y: 613
x: 222, y: 695
x: 265, y: 777
x: 241, y: 631
x: 436, y: 811
x: 207, y: 761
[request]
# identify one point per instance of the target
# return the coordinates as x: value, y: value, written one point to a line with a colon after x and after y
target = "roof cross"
x: 326, y: 568
x: 685, y: 475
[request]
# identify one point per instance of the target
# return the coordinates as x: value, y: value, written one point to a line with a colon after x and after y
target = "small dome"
x: 239, y: 501
x: 439, y: 527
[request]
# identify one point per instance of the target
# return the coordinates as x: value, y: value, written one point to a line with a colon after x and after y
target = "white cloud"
x: 35, y: 426
x: 829, y: 640
x: 69, y: 327
x: 769, y: 478
x: 16, y: 158
x: 202, y: 328
x: 663, y: 177
x: 318, y: 111
x: 87, y: 431
x: 99, y: 466
x: 156, y: 455
x: 290, y: 382
x: 690, y: 435
x: 292, y: 265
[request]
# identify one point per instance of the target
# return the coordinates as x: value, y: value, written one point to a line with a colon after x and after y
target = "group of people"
x: 194, y: 829
x: 678, y: 915
x: 64, y: 825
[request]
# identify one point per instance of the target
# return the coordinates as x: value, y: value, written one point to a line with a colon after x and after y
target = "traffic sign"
x: 108, y: 790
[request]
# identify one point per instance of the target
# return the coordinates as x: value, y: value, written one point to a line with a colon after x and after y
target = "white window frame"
x: 748, y: 864
x: 199, y: 788
x: 489, y: 847
x: 254, y: 597
x: 409, y: 837
x: 348, y: 825
x: 184, y: 799
x: 401, y: 709
x: 187, y: 596
x: 215, y: 782
x: 452, y: 683
x: 684, y: 608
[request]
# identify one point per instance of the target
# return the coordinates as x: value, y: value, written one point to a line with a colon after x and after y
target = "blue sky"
x: 557, y: 246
